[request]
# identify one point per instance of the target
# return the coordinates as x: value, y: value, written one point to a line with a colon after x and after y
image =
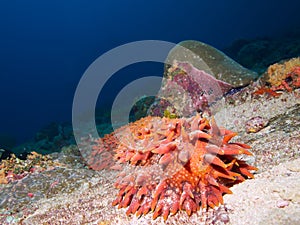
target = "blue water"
x: 45, y: 46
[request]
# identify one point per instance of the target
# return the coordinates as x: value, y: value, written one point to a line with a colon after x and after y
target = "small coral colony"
x: 169, y: 164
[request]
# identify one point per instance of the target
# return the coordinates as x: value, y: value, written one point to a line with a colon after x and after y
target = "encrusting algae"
x: 282, y: 76
x: 172, y: 164
x: 285, y: 75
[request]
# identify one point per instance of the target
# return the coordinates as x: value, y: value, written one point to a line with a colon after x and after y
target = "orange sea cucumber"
x: 175, y: 164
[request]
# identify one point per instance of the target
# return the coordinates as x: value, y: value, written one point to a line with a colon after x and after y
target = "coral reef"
x: 174, y: 164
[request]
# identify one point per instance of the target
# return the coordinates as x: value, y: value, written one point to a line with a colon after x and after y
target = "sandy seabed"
x: 272, y: 197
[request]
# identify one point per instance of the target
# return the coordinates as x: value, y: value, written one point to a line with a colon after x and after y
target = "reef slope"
x: 276, y: 149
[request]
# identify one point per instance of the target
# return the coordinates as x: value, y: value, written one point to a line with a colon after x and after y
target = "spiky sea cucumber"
x: 176, y: 164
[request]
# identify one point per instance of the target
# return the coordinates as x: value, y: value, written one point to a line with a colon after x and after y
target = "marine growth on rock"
x: 211, y: 60
x: 283, y: 75
x: 187, y: 90
x: 172, y: 164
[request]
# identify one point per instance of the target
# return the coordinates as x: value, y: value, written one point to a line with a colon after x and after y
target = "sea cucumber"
x: 175, y: 164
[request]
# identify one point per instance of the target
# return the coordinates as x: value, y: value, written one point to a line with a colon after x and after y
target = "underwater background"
x: 220, y: 108
x: 46, y: 46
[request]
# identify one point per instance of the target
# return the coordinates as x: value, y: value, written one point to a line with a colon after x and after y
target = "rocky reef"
x: 188, y: 90
x: 80, y: 195
x: 196, y: 165
x: 196, y: 75
x: 284, y: 75
x: 259, y: 53
x: 211, y: 60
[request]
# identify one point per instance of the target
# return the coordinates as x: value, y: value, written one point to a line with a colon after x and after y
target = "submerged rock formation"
x: 211, y: 60
x: 196, y: 76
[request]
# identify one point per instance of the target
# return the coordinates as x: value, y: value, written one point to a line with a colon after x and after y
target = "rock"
x: 259, y: 53
x: 272, y: 197
x: 282, y: 203
x: 7, y: 141
x: 211, y: 60
x: 255, y: 124
x: 284, y: 75
x: 196, y: 76
x: 188, y: 90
